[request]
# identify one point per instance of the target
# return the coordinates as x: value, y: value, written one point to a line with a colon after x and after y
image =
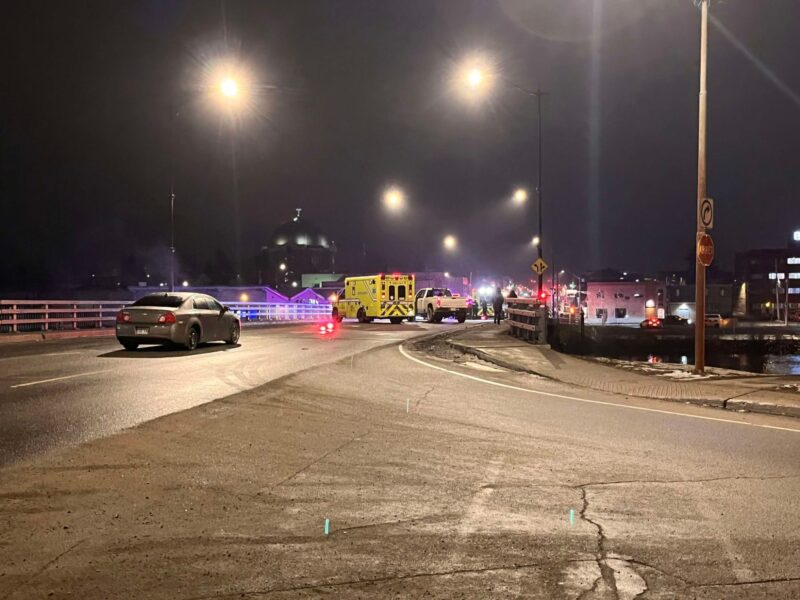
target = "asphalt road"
x: 57, y: 393
x: 442, y: 477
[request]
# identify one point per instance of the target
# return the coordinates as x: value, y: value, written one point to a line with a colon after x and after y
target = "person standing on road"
x: 497, y: 303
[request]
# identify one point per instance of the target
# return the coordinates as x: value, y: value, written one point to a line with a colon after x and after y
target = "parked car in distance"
x: 713, y: 320
x: 651, y: 323
x: 436, y: 304
x: 675, y: 321
x: 187, y: 319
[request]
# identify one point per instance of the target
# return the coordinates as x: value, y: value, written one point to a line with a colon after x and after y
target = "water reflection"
x: 772, y: 364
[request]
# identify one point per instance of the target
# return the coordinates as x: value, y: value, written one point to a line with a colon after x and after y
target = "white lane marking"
x: 553, y: 395
x: 40, y: 355
x: 60, y: 353
x: 19, y: 385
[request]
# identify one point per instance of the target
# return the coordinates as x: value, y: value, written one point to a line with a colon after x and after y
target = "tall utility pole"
x: 171, y: 238
x: 538, y: 95
x: 700, y: 270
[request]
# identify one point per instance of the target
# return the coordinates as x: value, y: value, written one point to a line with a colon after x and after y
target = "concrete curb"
x: 733, y: 404
x: 767, y: 408
x: 496, y: 361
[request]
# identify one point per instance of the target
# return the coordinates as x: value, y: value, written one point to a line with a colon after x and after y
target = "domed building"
x: 296, y: 248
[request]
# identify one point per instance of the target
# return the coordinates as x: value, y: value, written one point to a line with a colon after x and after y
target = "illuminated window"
x: 794, y: 275
x: 793, y: 260
x: 797, y: 236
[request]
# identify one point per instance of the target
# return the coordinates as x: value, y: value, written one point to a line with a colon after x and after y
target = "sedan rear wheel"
x: 192, y: 338
x: 233, y: 338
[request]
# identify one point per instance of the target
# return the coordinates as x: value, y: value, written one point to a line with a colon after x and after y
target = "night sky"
x: 353, y: 95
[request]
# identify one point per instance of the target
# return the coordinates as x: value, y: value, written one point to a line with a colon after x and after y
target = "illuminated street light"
x: 473, y: 82
x: 450, y: 242
x: 229, y: 87
x: 520, y: 195
x: 185, y: 283
x: 282, y: 266
x: 474, y: 77
x: 394, y: 199
x: 536, y: 240
x: 447, y: 274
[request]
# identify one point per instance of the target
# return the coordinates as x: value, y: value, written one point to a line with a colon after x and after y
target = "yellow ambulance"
x: 379, y: 296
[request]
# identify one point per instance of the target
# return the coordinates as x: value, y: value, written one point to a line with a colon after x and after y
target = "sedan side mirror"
x: 223, y: 310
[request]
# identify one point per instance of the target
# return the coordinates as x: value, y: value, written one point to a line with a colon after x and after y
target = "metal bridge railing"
x: 18, y: 316
x: 527, y: 318
x: 255, y: 312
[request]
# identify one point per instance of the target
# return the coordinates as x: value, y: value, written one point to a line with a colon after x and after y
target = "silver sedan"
x: 181, y: 318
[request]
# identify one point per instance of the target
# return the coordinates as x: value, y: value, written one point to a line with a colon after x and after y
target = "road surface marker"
x: 571, y: 516
x: 586, y: 400
x: 407, y: 407
x: 327, y: 525
x: 19, y: 385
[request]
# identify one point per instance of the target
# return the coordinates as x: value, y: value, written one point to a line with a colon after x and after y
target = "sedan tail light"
x: 123, y: 316
x: 167, y: 318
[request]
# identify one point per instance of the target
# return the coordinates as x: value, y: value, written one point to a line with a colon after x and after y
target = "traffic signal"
x: 543, y: 296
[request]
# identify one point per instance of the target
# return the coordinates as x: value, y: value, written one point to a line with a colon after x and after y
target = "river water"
x: 773, y: 364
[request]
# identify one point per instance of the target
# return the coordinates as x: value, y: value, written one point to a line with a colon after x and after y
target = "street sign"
x: 705, y: 249
x: 707, y: 213
x: 539, y: 266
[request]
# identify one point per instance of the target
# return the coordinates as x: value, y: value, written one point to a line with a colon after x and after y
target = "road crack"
x: 601, y: 557
x: 44, y: 568
x: 317, y: 460
x: 751, y: 582
x: 385, y: 579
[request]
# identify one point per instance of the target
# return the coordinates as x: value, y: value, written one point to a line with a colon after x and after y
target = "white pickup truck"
x: 436, y: 304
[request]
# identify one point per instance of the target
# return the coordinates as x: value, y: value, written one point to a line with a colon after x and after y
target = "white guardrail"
x: 68, y: 315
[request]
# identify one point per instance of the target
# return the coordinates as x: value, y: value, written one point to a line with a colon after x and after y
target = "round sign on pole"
x: 707, y: 213
x: 705, y: 249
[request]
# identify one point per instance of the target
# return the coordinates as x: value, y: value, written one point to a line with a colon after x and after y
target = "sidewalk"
x: 742, y: 391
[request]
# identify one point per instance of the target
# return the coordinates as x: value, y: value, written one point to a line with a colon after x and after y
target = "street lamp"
x: 520, y: 195
x: 224, y: 84
x: 450, y: 242
x: 229, y: 87
x: 474, y: 78
x: 394, y: 199
x: 536, y: 240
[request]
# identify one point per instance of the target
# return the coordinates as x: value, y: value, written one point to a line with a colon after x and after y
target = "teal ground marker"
x: 327, y: 525
x: 572, y: 516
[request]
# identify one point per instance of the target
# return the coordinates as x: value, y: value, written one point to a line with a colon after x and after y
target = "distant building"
x: 767, y: 276
x: 223, y: 293
x: 624, y: 302
x: 720, y: 299
x: 297, y: 247
x: 458, y: 284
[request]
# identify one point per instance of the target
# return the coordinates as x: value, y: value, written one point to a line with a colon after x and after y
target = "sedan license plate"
x: 142, y: 331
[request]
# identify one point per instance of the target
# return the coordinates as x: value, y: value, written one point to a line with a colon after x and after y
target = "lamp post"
x: 474, y: 78
x: 700, y: 270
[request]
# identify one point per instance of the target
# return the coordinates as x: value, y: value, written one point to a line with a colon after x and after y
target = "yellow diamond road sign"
x: 539, y: 266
